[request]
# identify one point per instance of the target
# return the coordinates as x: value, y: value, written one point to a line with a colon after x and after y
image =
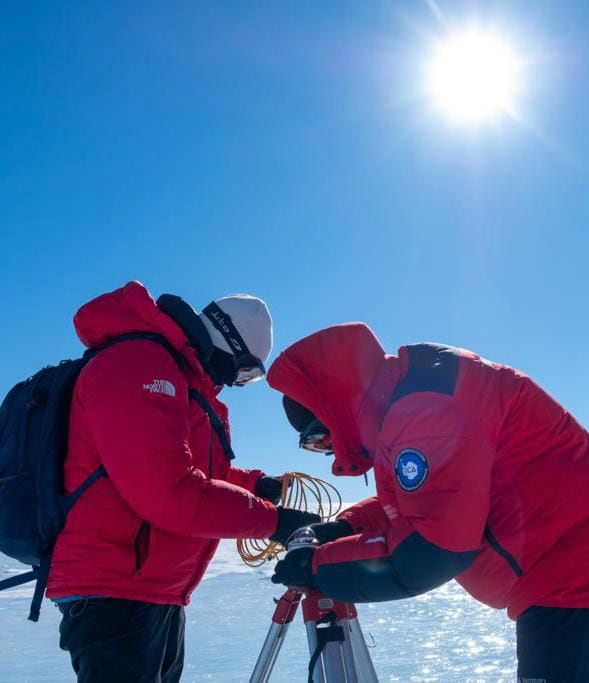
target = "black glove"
x: 330, y: 531
x: 290, y: 520
x: 296, y: 569
x: 269, y: 488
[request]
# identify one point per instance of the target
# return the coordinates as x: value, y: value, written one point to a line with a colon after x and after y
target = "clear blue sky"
x: 283, y: 149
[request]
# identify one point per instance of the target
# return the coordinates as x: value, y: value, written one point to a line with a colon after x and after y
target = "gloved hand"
x: 296, y: 569
x: 330, y: 531
x: 269, y: 488
x: 290, y: 520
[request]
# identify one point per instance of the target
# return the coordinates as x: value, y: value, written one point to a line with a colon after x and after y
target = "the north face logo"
x: 161, y: 386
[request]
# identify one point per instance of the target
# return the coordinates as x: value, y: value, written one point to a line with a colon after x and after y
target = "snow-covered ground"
x: 442, y: 636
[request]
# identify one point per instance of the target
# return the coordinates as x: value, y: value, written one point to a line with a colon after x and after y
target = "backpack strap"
x: 18, y: 579
x: 74, y: 495
x: 216, y: 422
x: 150, y: 336
x: 42, y: 575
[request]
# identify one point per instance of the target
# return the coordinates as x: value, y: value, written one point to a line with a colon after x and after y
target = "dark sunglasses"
x: 248, y: 369
x: 316, y: 437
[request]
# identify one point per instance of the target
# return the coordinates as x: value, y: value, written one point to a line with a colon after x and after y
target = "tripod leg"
x: 313, y: 642
x: 334, y: 663
x: 284, y: 613
x: 347, y: 653
x: 327, y: 640
x: 345, y: 657
x: 363, y: 662
x: 269, y: 653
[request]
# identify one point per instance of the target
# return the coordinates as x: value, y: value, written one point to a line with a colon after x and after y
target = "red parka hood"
x: 128, y: 309
x: 344, y: 377
x: 131, y: 308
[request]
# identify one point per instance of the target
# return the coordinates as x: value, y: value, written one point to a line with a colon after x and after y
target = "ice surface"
x: 443, y: 636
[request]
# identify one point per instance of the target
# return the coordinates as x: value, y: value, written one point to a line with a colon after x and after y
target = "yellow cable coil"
x: 299, y: 491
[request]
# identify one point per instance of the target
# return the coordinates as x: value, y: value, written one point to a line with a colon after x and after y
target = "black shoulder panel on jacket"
x: 432, y: 367
x: 415, y: 566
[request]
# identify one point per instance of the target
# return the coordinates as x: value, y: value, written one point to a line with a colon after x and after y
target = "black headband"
x: 222, y: 321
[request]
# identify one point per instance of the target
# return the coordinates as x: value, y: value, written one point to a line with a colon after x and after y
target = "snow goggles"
x: 248, y: 368
x: 316, y: 437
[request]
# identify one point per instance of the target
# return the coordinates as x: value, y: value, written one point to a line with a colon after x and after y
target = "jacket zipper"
x: 505, y: 554
x: 141, y: 545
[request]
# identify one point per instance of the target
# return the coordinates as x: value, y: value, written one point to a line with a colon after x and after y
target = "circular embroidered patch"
x: 411, y: 469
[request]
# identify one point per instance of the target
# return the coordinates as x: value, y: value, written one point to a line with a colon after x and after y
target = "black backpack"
x: 34, y: 419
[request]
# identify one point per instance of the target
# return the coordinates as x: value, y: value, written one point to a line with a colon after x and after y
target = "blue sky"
x: 286, y: 150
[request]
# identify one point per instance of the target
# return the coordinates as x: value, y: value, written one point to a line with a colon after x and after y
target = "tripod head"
x: 302, y: 538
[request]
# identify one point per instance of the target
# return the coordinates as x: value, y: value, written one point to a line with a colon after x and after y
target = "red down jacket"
x: 149, y: 530
x: 493, y: 463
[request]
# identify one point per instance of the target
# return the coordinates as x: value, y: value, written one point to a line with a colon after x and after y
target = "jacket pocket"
x: 505, y: 554
x: 141, y: 545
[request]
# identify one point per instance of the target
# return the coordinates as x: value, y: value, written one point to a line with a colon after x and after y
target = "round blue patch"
x: 411, y: 469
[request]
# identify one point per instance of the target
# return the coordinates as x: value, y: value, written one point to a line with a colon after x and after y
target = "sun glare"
x: 474, y: 76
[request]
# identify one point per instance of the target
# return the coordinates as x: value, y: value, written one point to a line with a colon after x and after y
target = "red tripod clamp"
x: 286, y: 606
x: 316, y: 607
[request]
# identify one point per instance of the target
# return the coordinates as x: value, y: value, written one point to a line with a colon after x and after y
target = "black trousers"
x: 116, y: 641
x: 553, y: 645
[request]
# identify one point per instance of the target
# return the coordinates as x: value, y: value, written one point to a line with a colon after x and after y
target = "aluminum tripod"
x: 336, y: 644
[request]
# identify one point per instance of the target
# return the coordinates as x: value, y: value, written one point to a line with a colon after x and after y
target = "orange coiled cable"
x: 301, y: 492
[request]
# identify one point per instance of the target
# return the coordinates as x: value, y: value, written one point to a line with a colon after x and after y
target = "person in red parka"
x: 139, y: 540
x: 480, y: 476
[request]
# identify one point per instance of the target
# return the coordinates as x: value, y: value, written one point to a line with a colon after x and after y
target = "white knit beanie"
x: 252, y: 320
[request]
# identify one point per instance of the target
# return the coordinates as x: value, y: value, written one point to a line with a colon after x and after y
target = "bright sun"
x: 474, y: 76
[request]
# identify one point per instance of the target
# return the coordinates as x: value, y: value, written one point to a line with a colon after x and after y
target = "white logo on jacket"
x: 410, y: 470
x: 390, y: 511
x: 161, y: 386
